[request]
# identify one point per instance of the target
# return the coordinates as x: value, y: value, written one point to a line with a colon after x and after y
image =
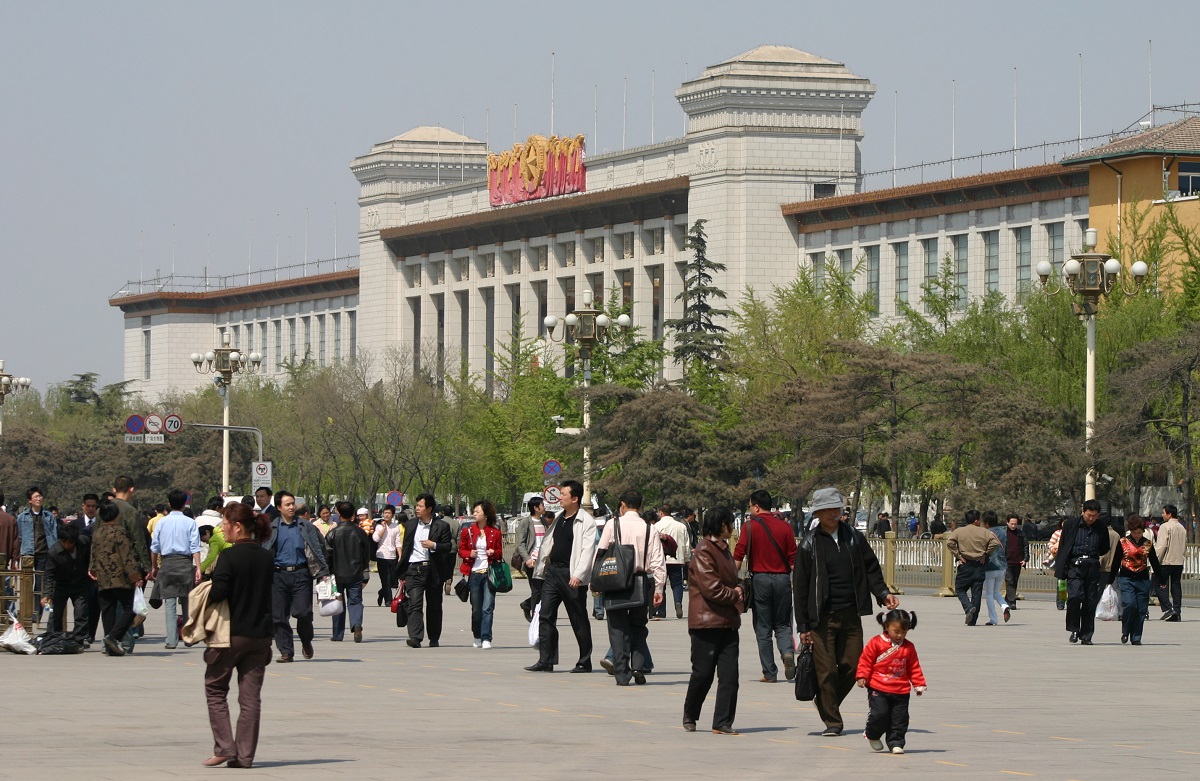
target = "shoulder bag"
x: 774, y: 542
x: 640, y: 594
x: 745, y: 576
x: 500, y: 576
x: 614, y: 566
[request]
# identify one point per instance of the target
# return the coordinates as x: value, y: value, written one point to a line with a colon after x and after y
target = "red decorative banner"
x: 539, y: 168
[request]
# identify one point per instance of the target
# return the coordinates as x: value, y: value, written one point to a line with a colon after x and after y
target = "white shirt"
x: 386, y: 535
x: 419, y: 552
x: 481, y: 555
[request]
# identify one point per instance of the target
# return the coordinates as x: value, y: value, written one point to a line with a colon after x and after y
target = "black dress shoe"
x: 581, y: 668
x: 1085, y: 641
x: 1074, y: 638
x: 1124, y: 639
x: 639, y: 677
x: 1136, y: 642
x: 725, y: 731
x: 689, y: 725
x: 413, y: 643
x: 1166, y: 615
x: 538, y: 667
x: 379, y: 601
x: 433, y: 643
x: 285, y: 658
x: 1175, y: 618
x: 307, y: 650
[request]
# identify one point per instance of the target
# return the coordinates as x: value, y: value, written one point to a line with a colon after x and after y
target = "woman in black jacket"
x: 242, y: 577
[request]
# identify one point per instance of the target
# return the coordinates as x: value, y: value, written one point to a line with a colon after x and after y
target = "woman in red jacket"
x: 889, y: 668
x: 480, y: 546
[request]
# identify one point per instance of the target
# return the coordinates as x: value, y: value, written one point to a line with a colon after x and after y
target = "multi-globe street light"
x: 224, y: 362
x: 10, y: 384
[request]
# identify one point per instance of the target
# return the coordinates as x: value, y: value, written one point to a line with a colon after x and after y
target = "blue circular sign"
x: 395, y: 498
x: 551, y: 468
x: 134, y: 424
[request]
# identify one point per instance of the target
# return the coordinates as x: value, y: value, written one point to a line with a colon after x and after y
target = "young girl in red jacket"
x: 888, y: 669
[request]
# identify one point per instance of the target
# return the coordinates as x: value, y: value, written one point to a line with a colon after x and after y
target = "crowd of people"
x: 250, y: 567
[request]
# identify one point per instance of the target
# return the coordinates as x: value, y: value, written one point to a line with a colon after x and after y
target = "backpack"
x: 56, y: 643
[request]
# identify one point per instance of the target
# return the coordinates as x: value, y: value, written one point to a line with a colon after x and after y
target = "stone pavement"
x: 1015, y: 701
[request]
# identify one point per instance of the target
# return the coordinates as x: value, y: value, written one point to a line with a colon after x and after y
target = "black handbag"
x: 614, y: 566
x: 401, y: 612
x: 806, y: 675
x: 640, y: 594
x: 462, y: 590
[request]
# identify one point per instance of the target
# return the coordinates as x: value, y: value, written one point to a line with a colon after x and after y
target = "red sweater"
x: 896, y: 674
x: 466, y: 546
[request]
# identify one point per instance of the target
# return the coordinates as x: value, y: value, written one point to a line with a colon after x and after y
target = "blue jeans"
x: 483, y: 601
x: 1135, y: 599
x: 993, y: 594
x: 352, y: 593
x: 174, y: 606
x: 773, y: 617
x: 675, y: 578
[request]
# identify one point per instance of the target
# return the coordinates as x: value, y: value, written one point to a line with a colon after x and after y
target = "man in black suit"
x: 86, y: 521
x: 1083, y: 543
x: 425, y: 562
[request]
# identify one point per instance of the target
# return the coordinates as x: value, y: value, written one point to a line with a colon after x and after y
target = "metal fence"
x: 19, y: 594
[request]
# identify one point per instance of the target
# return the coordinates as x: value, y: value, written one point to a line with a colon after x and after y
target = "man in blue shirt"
x: 175, y: 548
x: 299, y: 557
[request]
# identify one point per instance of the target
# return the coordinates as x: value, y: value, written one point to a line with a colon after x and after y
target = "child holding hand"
x: 889, y: 669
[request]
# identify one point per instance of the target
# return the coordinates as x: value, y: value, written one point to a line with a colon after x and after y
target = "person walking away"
x: 913, y: 525
x: 348, y: 552
x: 10, y: 539
x: 1131, y: 571
x: 299, y: 556
x: 1171, y: 548
x: 244, y: 579
x: 531, y: 529
x: 387, y: 532
x: 564, y: 569
x: 117, y: 574
x: 971, y: 545
x: 627, y: 627
x: 67, y: 580
x: 889, y: 669
x: 1060, y: 598
x: 836, y: 576
x: 426, y: 561
x: 175, y: 546
x: 1084, y: 542
x: 676, y: 559
x: 481, y: 545
x: 993, y: 571
x: 771, y: 547
x: 1016, y: 553
x: 715, y: 603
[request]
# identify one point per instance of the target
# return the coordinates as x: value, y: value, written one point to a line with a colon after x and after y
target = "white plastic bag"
x: 1109, y: 608
x: 17, y: 640
x: 326, y: 589
x: 140, y: 606
x: 331, y: 607
x: 533, y: 625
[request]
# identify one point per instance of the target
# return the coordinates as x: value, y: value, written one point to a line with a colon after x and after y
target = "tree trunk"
x: 1189, y: 477
x: 858, y: 482
x: 923, y: 512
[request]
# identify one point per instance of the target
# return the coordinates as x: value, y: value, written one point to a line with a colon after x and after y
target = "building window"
x: 596, y: 281
x: 337, y: 336
x: 543, y: 306
x: 846, y: 261
x: 514, y: 295
x: 146, y: 354
x: 262, y: 339
x: 307, y: 343
x: 824, y: 190
x: 250, y: 338
x: 656, y: 302
x: 221, y: 335
x: 991, y: 260
x: 929, y: 248
x: 1022, y: 238
x: 1189, y: 178
x: 292, y: 339
x: 901, y: 252
x: 626, y: 246
x: 958, y: 245
x: 625, y: 278
x: 321, y: 340
x: 352, y: 322
x: 1054, y: 246
x: 278, y: 346
x: 872, y: 253
x: 818, y: 268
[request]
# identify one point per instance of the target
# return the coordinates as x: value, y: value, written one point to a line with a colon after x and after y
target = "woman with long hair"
x: 480, y: 545
x: 241, y: 577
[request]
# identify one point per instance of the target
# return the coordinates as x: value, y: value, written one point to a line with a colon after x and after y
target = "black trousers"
x: 387, y: 575
x: 556, y: 589
x: 1012, y: 576
x: 116, y: 622
x: 1170, y: 587
x: 292, y: 597
x: 1085, y: 584
x: 58, y: 621
x: 627, y: 634
x: 968, y: 585
x: 93, y: 606
x: 714, y: 653
x: 424, y: 591
x: 837, y: 644
x: 535, y: 591
x: 888, y: 715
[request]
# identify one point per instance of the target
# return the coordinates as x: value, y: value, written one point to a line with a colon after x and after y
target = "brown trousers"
x: 837, y: 644
x: 250, y: 657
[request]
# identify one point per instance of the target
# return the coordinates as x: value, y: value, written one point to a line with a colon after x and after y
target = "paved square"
x: 1015, y: 701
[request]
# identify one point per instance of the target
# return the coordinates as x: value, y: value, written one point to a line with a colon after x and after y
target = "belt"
x: 291, y: 569
x: 176, y: 555
x: 557, y: 565
x: 418, y: 564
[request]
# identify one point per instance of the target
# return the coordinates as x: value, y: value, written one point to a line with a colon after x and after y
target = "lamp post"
x: 1090, y: 275
x: 10, y: 384
x: 586, y: 326
x: 224, y: 362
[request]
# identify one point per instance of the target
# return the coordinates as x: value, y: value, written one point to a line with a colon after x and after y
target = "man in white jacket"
x: 1171, y: 547
x: 564, y: 565
x: 675, y: 562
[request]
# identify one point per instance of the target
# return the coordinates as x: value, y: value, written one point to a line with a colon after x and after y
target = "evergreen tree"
x: 699, y: 342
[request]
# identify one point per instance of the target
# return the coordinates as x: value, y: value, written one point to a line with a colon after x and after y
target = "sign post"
x: 260, y: 474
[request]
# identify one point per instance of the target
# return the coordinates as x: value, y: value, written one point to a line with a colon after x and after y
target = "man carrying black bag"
x: 627, y: 626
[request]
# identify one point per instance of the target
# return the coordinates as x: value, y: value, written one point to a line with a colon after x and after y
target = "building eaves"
x: 1177, y: 138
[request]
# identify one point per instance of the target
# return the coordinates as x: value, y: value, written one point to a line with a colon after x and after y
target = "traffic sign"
x: 552, y: 494
x: 172, y: 424
x: 135, y: 424
x: 395, y: 498
x: 154, y: 424
x: 134, y: 439
x: 260, y: 474
x: 155, y: 439
x: 551, y: 468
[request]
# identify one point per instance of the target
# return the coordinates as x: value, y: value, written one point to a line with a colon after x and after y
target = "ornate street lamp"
x: 224, y: 362
x: 10, y: 384
x: 586, y: 326
x: 1090, y: 275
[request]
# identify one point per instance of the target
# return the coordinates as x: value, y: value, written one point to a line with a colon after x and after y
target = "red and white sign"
x: 539, y: 168
x: 172, y: 424
x: 154, y: 424
x: 552, y: 494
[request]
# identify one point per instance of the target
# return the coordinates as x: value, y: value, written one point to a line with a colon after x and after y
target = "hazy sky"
x: 121, y: 119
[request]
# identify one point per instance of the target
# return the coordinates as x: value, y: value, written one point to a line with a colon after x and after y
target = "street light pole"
x: 10, y: 384
x: 224, y: 362
x: 587, y: 325
x: 1090, y: 275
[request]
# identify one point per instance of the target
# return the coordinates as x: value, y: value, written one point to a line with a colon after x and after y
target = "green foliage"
x: 699, y: 340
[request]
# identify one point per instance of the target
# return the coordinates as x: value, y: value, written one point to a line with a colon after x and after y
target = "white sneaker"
x: 876, y: 744
x: 897, y: 749
x: 478, y: 644
x: 487, y: 644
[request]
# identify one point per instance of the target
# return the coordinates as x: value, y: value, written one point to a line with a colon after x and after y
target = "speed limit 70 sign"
x: 172, y: 424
